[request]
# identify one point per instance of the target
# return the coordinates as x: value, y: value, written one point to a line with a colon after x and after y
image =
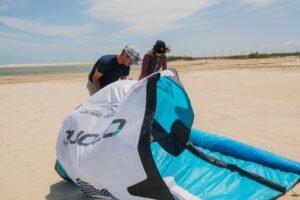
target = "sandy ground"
x: 253, y: 101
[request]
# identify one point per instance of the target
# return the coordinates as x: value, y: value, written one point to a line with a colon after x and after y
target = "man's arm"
x: 164, y: 63
x: 96, y: 82
x: 145, y: 64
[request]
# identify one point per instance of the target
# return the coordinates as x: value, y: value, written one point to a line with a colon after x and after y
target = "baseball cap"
x: 133, y: 53
x: 160, y: 47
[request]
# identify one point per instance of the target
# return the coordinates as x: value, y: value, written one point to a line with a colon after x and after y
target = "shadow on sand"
x: 64, y: 190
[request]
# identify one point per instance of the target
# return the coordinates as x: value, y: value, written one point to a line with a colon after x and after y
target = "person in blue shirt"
x: 110, y: 68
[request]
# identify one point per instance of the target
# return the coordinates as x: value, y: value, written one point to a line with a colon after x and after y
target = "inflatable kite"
x: 134, y: 140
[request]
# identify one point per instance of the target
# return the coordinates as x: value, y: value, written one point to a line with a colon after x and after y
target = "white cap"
x: 133, y: 53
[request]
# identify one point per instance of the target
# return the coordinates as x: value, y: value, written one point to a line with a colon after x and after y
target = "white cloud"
x: 3, y: 4
x: 8, y: 4
x: 146, y: 17
x: 292, y: 42
x: 44, y: 29
x: 258, y: 3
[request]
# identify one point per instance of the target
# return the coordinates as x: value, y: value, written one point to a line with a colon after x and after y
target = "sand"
x: 253, y: 101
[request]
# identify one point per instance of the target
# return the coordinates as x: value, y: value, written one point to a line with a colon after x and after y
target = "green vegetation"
x: 173, y: 58
x: 263, y: 55
x: 255, y: 55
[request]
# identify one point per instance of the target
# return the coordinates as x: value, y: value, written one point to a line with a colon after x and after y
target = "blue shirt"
x: 111, y: 70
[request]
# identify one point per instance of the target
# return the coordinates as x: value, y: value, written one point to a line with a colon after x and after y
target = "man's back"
x: 111, y: 70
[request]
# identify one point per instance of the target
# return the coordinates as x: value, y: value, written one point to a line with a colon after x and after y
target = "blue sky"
x: 51, y: 31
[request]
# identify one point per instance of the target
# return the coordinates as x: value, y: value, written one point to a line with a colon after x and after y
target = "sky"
x: 56, y: 31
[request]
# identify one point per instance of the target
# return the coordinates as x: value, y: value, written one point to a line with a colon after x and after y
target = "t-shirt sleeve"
x: 102, y: 66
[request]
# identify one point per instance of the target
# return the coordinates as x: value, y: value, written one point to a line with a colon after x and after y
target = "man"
x: 110, y: 68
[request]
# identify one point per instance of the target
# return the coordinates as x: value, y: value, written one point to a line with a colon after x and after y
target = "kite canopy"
x: 134, y: 140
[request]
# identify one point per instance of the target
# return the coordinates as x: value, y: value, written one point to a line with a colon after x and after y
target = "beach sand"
x: 253, y: 101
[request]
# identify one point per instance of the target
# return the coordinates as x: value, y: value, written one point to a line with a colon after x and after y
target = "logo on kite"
x: 115, y: 128
x: 84, y: 139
